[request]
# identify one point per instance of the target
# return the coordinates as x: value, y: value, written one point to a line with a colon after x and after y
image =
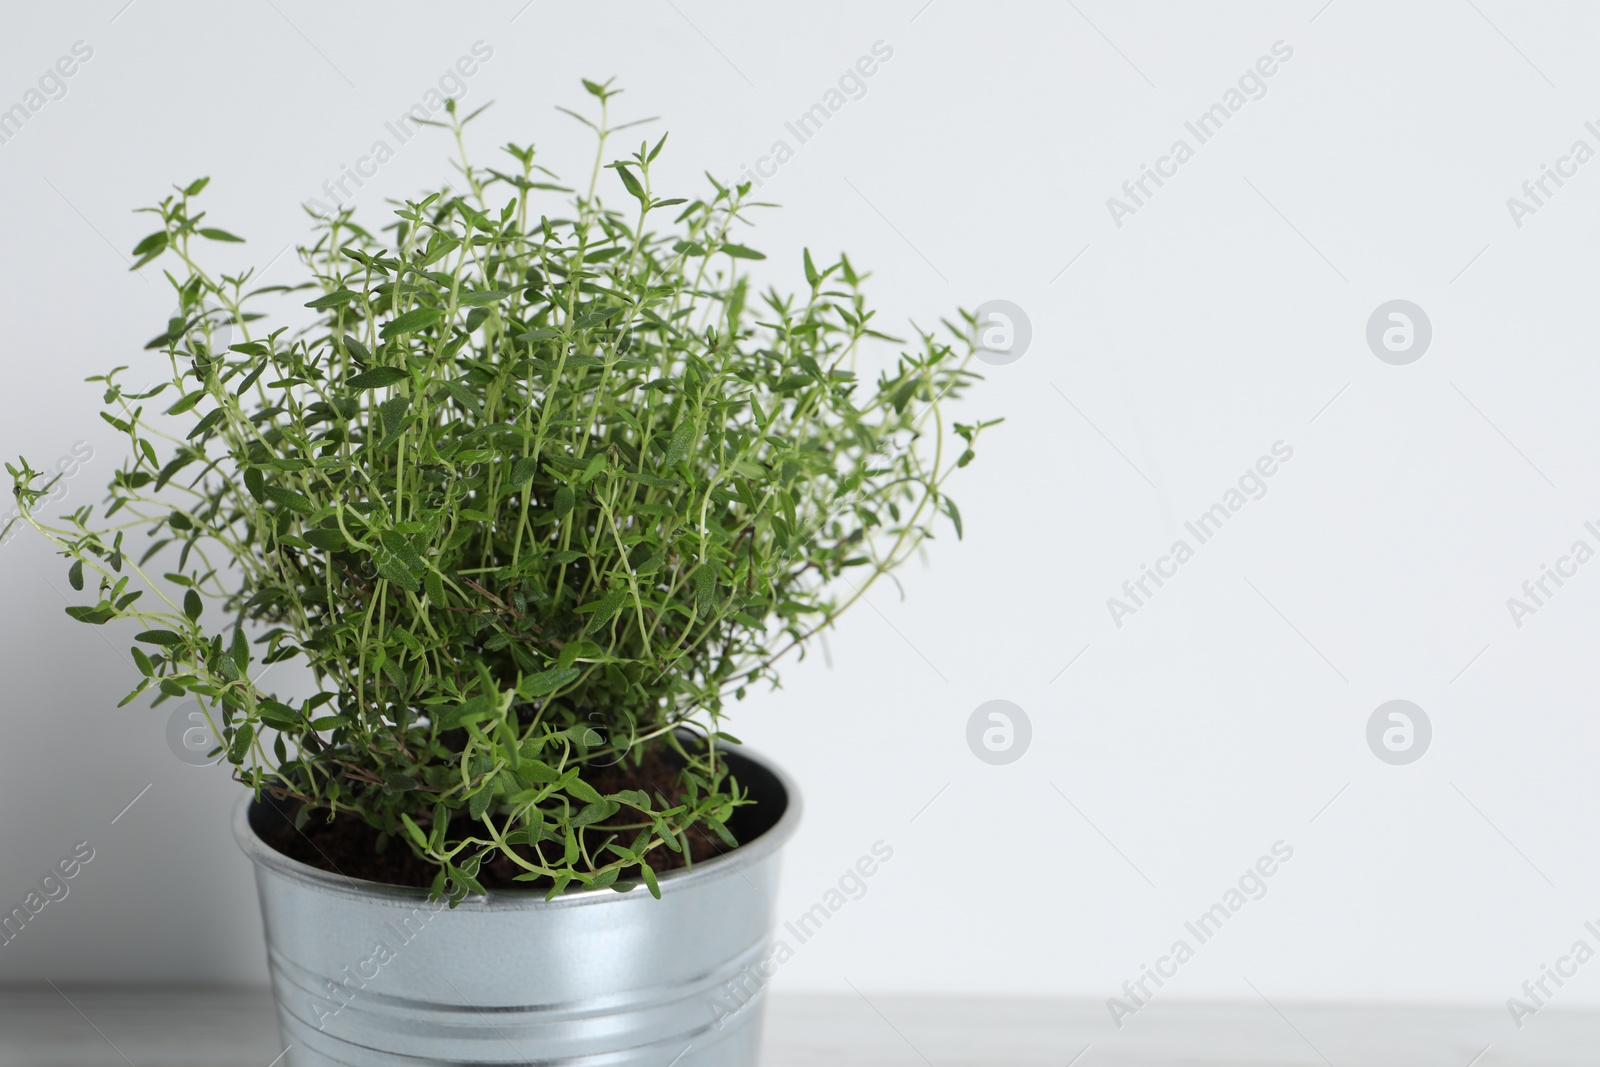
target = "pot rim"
x: 680, y: 880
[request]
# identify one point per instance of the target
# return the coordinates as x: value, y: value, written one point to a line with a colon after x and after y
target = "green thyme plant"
x: 534, y: 488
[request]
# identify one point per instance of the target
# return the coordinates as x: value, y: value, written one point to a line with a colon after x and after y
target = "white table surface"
x: 78, y: 1026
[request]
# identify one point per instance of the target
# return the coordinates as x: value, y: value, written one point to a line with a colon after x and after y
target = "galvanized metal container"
x: 372, y: 975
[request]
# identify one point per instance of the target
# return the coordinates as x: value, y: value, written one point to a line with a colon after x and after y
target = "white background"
x: 1222, y: 317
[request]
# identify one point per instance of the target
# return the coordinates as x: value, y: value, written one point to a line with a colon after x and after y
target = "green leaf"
x: 631, y: 183
x: 75, y: 575
x: 718, y: 828
x: 178, y: 463
x: 277, y: 715
x: 396, y: 782
x: 377, y: 378
x: 288, y: 498
x: 479, y: 802
x: 559, y: 884
x: 393, y: 411
x: 160, y: 637
x: 523, y: 470
x: 903, y: 394
x: 329, y: 540
x: 192, y: 605
x: 536, y: 770
x: 683, y: 439
x: 256, y: 483
x: 214, y: 234
x: 741, y: 252
x: 565, y: 499
x: 472, y: 710
x: 357, y: 349
x: 595, y: 811
x: 241, y: 743
x: 186, y: 402
x: 705, y: 588
x: 654, y: 481
x: 392, y: 570
x: 414, y: 831
x: 650, y: 882
x: 544, y: 683
x: 396, y: 544
x: 131, y: 697
x: 482, y: 298
x: 637, y: 798
x: 151, y: 245
x: 604, y: 609
x: 955, y: 516
x: 412, y: 321
x: 206, y: 423
x: 461, y: 394
x: 337, y: 298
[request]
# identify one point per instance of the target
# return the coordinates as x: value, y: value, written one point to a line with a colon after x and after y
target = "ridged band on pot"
x: 373, y: 975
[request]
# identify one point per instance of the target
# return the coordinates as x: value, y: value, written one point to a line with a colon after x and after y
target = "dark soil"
x: 348, y: 846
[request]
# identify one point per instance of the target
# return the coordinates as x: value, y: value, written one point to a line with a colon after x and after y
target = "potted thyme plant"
x: 531, y: 489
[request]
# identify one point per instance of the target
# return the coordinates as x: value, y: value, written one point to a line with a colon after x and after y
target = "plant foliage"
x: 536, y: 487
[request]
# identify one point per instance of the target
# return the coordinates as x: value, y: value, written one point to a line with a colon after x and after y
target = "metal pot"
x: 373, y: 975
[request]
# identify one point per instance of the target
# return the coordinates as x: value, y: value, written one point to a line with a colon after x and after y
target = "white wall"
x: 1222, y: 317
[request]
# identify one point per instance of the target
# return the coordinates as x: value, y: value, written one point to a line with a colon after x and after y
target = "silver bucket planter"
x: 372, y: 975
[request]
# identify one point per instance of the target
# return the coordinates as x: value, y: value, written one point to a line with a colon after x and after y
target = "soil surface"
x: 348, y: 846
